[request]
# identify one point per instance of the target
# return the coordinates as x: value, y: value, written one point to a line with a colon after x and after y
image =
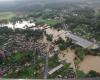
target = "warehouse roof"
x: 80, y: 41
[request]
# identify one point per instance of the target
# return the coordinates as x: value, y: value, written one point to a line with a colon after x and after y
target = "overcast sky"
x: 43, y: 0
x: 5, y: 0
x: 28, y: 0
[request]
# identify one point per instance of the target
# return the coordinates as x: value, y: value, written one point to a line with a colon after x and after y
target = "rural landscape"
x: 42, y: 39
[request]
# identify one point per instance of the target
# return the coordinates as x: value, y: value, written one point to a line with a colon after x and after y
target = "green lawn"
x: 6, y: 15
x: 50, y: 22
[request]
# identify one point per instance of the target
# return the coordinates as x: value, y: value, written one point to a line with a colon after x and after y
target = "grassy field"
x: 50, y: 22
x: 6, y: 15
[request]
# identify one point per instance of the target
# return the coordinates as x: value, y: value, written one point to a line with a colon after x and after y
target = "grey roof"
x: 55, y: 69
x: 80, y: 41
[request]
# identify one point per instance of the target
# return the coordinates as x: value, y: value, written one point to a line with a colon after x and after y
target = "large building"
x: 81, y: 42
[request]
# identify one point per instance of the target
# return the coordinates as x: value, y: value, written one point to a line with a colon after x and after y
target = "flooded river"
x: 68, y: 56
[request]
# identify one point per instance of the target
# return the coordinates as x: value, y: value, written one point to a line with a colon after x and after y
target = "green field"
x: 6, y: 15
x: 50, y: 22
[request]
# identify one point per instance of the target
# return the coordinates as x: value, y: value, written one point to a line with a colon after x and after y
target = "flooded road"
x: 68, y: 56
x: 56, y: 34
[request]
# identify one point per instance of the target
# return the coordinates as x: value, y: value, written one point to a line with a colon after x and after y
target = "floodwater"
x: 68, y: 56
x: 90, y: 63
x: 56, y: 34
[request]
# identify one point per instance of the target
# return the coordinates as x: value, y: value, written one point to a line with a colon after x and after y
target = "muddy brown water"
x: 90, y: 63
x: 56, y: 34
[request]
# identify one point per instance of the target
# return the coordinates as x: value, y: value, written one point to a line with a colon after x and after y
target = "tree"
x: 63, y: 44
x: 80, y: 74
x: 36, y: 34
x: 93, y: 74
x: 49, y: 37
x: 80, y: 52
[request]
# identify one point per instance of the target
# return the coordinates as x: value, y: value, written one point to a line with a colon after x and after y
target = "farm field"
x: 50, y: 22
x: 6, y: 15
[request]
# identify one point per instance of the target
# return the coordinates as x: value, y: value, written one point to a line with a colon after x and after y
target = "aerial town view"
x: 50, y: 39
